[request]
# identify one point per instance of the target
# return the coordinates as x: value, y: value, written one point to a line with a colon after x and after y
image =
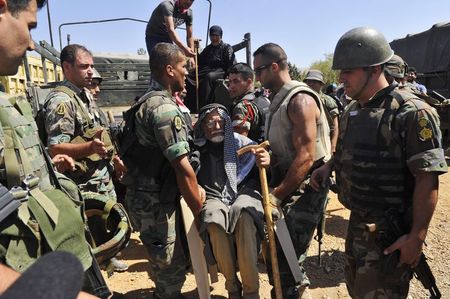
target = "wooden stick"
x: 268, y: 215
x: 197, y: 101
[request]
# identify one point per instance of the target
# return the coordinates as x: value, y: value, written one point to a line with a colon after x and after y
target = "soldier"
x: 248, y: 113
x: 159, y: 169
x: 73, y: 129
x: 300, y: 141
x: 393, y: 170
x: 394, y: 70
x: 232, y: 220
x: 314, y: 79
x: 94, y: 90
x: 51, y: 217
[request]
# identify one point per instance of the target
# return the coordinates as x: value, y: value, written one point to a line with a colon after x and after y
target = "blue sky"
x: 305, y: 29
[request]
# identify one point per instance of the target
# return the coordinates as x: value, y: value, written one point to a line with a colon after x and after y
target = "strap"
x: 77, y: 100
x: 289, y: 95
x: 48, y: 206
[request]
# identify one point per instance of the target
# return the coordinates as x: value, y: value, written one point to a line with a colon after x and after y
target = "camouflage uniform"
x: 246, y: 114
x: 375, y: 173
x: 152, y: 194
x: 67, y: 119
x: 331, y: 107
x: 52, y: 217
x: 304, y: 207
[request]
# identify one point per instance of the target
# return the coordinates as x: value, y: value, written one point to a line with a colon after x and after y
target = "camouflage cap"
x: 396, y: 67
x: 315, y: 75
x: 361, y: 47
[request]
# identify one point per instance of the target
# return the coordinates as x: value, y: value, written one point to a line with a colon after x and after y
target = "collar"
x: 72, y: 86
x: 380, y: 94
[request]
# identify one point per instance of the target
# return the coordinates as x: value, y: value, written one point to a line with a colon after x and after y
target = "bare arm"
x: 80, y: 150
x: 425, y: 198
x: 175, y: 38
x: 190, y: 37
x: 334, y: 134
x: 303, y: 114
x: 7, y: 277
x: 187, y: 183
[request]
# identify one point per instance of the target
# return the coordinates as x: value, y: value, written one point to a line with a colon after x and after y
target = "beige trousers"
x: 246, y: 251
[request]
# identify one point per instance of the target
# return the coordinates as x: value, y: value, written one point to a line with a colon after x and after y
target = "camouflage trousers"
x: 302, y: 214
x: 365, y: 273
x: 161, y: 231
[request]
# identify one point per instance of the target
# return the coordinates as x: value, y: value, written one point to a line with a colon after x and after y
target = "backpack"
x: 126, y: 135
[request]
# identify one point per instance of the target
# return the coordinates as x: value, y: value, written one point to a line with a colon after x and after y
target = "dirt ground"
x: 327, y: 281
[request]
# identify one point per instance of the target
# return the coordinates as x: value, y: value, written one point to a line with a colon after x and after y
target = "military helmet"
x: 396, y: 67
x: 315, y: 75
x: 361, y: 47
x: 96, y: 75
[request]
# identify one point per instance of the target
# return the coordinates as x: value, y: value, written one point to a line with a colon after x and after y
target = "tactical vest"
x: 50, y: 219
x: 86, y: 167
x: 279, y: 128
x: 370, y: 162
x: 148, y: 162
x: 262, y: 104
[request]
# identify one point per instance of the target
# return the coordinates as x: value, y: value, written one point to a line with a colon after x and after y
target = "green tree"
x: 324, y: 66
x: 294, y: 71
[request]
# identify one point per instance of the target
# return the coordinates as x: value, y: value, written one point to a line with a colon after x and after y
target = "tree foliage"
x: 324, y: 66
x: 294, y: 71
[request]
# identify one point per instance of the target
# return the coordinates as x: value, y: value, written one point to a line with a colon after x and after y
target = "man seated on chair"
x: 232, y: 223
x: 213, y: 63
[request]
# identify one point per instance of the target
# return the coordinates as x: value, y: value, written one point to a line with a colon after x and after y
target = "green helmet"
x: 96, y: 75
x: 361, y: 47
x: 315, y: 75
x: 396, y: 67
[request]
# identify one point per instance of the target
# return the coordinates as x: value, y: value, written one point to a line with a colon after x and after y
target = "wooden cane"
x: 269, y: 221
x: 196, y: 46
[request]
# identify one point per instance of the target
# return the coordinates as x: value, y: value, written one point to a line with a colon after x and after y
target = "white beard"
x: 217, y: 139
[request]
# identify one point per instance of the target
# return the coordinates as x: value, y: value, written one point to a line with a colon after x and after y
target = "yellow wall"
x: 17, y: 84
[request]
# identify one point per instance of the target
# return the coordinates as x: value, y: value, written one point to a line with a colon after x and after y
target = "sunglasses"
x: 212, y: 123
x: 260, y: 68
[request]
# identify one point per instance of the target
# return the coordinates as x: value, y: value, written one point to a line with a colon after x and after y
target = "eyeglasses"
x: 260, y: 68
x: 212, y: 123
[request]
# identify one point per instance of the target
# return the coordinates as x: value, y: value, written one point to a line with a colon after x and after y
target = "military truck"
x: 429, y: 53
x: 125, y: 77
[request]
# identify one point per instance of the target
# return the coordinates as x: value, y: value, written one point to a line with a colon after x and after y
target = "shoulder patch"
x: 425, y: 130
x: 177, y: 123
x: 61, y: 109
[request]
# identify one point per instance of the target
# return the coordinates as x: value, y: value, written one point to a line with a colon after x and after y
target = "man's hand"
x: 63, y: 162
x: 275, y: 204
x: 190, y: 64
x: 202, y: 193
x: 119, y: 167
x: 189, y: 53
x: 97, y: 146
x: 410, y: 247
x: 320, y: 176
x: 262, y: 157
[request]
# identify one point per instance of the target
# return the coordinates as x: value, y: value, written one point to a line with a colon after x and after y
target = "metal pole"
x: 92, y: 22
x: 248, y: 48
x: 49, y: 23
x: 209, y: 22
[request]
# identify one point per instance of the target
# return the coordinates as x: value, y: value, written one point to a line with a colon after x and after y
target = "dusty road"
x: 327, y: 282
